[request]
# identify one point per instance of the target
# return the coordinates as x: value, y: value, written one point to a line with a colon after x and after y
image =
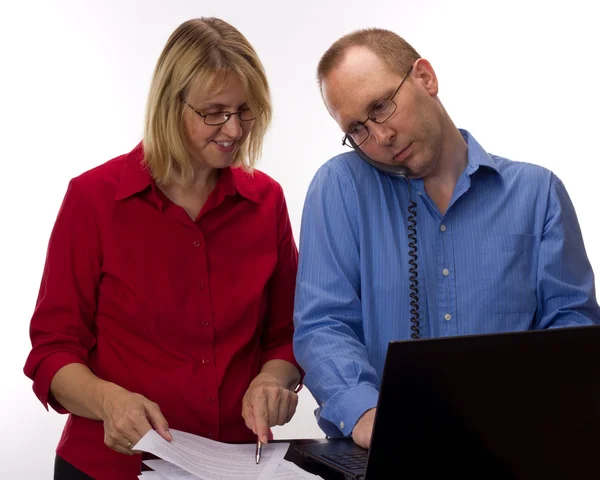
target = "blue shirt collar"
x: 477, y: 156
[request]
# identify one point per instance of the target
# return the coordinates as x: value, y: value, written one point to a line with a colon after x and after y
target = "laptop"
x: 521, y: 405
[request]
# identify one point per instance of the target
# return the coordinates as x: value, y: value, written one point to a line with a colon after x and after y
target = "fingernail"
x: 169, y: 435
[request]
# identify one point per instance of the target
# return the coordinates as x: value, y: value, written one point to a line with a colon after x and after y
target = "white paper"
x: 151, y: 476
x: 284, y: 471
x: 290, y: 471
x: 211, y: 460
x: 170, y: 471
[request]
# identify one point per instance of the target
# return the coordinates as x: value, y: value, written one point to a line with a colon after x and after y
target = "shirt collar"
x: 237, y: 180
x: 136, y: 178
x: 477, y: 156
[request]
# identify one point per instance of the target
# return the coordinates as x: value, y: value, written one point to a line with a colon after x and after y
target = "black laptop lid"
x: 522, y: 405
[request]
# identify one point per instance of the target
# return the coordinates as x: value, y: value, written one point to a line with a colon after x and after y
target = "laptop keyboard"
x: 350, y: 460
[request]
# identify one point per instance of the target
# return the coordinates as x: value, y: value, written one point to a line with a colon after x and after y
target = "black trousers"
x: 63, y: 470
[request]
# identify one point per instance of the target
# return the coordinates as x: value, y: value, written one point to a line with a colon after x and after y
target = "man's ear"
x: 424, y: 73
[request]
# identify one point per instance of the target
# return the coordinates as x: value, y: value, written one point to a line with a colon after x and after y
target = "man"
x: 469, y: 243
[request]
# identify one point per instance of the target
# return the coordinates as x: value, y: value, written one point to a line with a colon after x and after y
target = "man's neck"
x: 441, y: 183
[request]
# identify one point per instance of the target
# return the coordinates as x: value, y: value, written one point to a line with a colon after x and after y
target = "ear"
x: 423, y: 72
x: 325, y: 98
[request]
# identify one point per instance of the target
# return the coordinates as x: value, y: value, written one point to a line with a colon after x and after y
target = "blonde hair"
x: 396, y: 52
x: 197, y: 55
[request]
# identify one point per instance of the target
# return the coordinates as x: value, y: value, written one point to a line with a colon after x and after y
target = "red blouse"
x: 183, y: 312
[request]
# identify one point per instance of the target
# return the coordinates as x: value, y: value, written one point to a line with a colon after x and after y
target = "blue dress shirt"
x: 507, y: 255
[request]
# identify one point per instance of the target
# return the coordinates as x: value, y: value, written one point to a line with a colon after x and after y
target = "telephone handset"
x: 412, y: 236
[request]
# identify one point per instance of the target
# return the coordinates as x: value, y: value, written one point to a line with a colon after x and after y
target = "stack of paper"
x: 191, y: 457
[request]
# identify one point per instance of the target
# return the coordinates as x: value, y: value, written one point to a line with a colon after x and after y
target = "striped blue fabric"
x: 507, y: 255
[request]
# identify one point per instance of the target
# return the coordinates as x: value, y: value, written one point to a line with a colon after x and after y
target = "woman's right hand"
x: 128, y: 417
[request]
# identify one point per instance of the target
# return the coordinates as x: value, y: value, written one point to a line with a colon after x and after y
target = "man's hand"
x: 267, y: 403
x: 128, y: 417
x: 362, y: 431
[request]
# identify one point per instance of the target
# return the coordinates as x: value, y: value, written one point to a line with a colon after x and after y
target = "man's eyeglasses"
x: 219, y: 118
x: 379, y: 113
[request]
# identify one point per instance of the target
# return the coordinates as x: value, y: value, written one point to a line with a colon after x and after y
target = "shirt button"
x: 447, y: 317
x: 210, y: 399
x: 443, y: 227
x: 210, y: 435
x: 196, y: 243
x: 200, y: 285
x: 446, y: 272
x: 205, y: 324
x: 342, y: 424
x: 205, y: 361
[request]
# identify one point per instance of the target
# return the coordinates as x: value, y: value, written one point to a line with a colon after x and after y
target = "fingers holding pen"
x: 266, y: 404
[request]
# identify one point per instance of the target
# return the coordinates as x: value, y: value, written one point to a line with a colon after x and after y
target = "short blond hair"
x: 397, y: 53
x: 197, y: 55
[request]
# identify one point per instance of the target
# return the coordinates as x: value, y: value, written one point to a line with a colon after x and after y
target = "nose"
x: 233, y: 127
x: 382, y: 133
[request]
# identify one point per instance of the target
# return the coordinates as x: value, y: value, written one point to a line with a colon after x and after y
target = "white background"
x: 522, y: 76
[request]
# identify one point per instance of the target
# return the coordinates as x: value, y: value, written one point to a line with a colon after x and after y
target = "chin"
x: 222, y: 164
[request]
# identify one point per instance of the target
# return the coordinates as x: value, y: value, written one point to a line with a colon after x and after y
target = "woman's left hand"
x: 267, y: 403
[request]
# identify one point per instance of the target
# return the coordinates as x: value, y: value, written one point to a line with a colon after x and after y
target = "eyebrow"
x: 221, y: 105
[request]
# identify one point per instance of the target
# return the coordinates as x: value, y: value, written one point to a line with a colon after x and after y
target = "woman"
x: 167, y: 293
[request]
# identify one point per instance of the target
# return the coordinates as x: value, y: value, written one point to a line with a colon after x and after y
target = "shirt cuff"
x: 44, y: 375
x: 344, y: 411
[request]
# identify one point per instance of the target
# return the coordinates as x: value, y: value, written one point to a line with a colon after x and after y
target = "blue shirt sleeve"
x: 329, y: 338
x: 565, y: 285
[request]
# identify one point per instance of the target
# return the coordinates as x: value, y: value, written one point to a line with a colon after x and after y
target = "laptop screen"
x: 515, y: 405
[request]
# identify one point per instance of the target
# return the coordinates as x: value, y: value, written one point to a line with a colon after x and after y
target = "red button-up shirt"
x: 183, y: 312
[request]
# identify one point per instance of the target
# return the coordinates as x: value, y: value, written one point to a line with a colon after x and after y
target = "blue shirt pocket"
x: 509, y: 273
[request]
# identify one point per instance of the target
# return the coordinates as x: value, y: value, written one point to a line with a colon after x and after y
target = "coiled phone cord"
x: 412, y: 253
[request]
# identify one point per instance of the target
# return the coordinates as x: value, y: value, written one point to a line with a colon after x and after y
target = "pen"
x: 258, y: 450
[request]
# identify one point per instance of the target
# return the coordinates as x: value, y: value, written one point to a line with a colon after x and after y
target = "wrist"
x: 101, y: 391
x: 283, y: 373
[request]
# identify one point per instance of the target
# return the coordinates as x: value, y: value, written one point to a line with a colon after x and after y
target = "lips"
x: 225, y: 147
x: 403, y: 154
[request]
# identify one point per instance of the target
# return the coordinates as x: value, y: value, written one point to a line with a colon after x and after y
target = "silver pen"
x: 258, y: 450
